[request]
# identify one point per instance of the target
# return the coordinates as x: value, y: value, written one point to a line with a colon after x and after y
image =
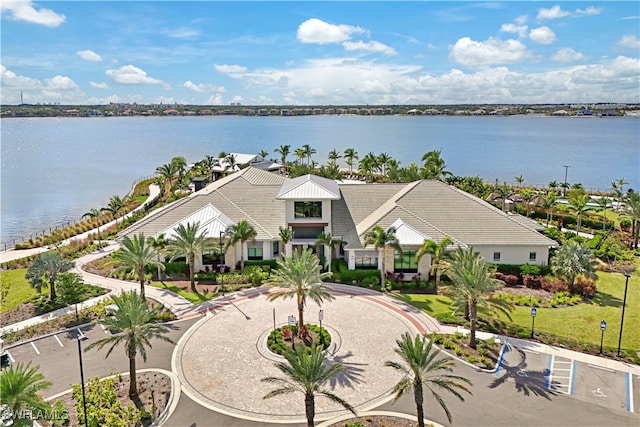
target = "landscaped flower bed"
x: 284, y: 338
x: 485, y: 355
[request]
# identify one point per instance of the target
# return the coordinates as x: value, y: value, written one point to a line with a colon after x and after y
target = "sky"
x: 319, y: 53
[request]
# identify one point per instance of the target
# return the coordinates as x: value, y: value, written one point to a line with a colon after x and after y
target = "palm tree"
x: 383, y: 162
x: 286, y: 235
x: 325, y: 239
x: 438, y: 252
x: 473, y: 288
x: 231, y: 162
x: 308, y: 152
x: 434, y: 166
x: 573, y: 259
x: 333, y: 157
x: 180, y: 165
x: 553, y: 185
x: 578, y: 200
x: 115, y: 205
x: 94, y: 214
x: 284, y: 151
x: 134, y: 319
x: 135, y: 256
x: 240, y: 232
x: 209, y: 163
x: 368, y: 165
x: 167, y: 172
x: 263, y: 154
x: 380, y: 239
x: 422, y: 369
x: 44, y: 271
x: 519, y: 180
x: 603, y: 203
x: 632, y: 211
x: 19, y: 387
x: 527, y: 197
x: 350, y: 154
x: 299, y: 276
x: 158, y: 243
x: 307, y: 372
x: 548, y: 202
x: 188, y: 243
x: 300, y: 154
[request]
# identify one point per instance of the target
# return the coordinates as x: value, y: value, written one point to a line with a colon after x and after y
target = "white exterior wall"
x: 514, y: 254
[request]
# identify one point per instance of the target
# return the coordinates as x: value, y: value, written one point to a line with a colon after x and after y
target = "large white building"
x: 310, y: 205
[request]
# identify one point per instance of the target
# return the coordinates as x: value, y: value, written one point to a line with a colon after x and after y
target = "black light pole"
x: 320, y: 317
x: 84, y: 398
x: 221, y: 266
x: 566, y: 169
x: 624, y: 303
x: 533, y: 319
x: 603, y: 327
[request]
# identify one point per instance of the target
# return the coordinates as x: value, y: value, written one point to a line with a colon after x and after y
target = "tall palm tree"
x: 368, y: 166
x: 422, y: 369
x: 307, y: 372
x: 134, y: 319
x: 284, y: 151
x: 136, y: 255
x: 299, y: 276
x: 159, y: 244
x: 209, y: 163
x: 548, y: 202
x: 44, y: 271
x: 383, y: 162
x: 286, y: 235
x: 308, y: 152
x: 553, y: 185
x: 350, y: 154
x: 603, y: 203
x: 263, y: 154
x: 240, y: 233
x: 232, y: 162
x: 20, y: 384
x: 632, y: 211
x: 300, y: 155
x: 573, y: 259
x: 473, y: 288
x: 189, y: 242
x: 333, y: 157
x: 578, y: 200
x: 519, y: 180
x: 114, y: 207
x: 438, y: 252
x: 380, y: 239
x: 527, y: 197
x: 167, y: 172
x: 327, y: 240
x: 94, y: 214
x: 180, y: 165
x: 434, y: 165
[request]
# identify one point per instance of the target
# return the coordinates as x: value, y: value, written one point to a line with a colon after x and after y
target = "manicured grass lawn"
x: 19, y: 289
x: 581, y: 322
x: 190, y: 296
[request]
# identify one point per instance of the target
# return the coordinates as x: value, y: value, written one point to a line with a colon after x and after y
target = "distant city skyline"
x: 319, y: 53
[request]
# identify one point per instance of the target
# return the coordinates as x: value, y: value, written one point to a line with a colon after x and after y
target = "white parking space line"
x: 104, y: 329
x: 11, y: 357
x: 35, y: 348
x: 629, y: 392
x: 58, y: 339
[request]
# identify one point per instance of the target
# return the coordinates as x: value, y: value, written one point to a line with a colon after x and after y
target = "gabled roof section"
x: 407, y: 235
x: 210, y: 219
x: 384, y: 209
x: 309, y: 187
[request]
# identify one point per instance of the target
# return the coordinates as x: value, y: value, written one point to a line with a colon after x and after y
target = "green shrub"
x: 360, y: 276
x: 448, y: 318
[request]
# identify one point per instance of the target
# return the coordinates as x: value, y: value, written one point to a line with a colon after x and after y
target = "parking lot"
x: 547, y: 373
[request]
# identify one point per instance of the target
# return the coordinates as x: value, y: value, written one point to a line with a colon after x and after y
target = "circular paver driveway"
x: 222, y: 359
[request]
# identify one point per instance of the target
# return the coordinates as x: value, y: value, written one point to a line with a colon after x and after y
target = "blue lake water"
x: 55, y: 170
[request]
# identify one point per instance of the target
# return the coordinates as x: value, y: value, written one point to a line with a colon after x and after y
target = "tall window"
x: 405, y: 262
x: 254, y: 253
x: 308, y: 209
x: 276, y: 248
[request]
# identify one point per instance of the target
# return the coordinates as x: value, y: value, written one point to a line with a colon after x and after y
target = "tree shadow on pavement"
x: 525, y: 381
x: 352, y: 373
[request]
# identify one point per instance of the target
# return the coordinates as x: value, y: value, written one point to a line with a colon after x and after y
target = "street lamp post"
x: 320, y: 317
x: 566, y: 170
x: 624, y: 303
x: 603, y: 327
x: 84, y: 398
x: 221, y: 266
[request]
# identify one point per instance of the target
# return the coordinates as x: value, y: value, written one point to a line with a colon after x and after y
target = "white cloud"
x: 473, y: 53
x: 566, y: 55
x: 131, y: 75
x: 542, y: 35
x: 10, y: 79
x: 316, y: 31
x: 181, y: 33
x: 89, y: 55
x: 99, y: 85
x: 203, y: 87
x: 23, y: 10
x: 230, y: 69
x: 554, y: 13
x: 215, y: 99
x: 61, y: 83
x: 372, y: 46
x: 521, y: 20
x: 629, y: 41
x: 521, y: 30
x: 591, y: 10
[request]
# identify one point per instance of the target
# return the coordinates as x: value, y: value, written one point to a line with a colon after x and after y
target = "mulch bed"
x: 377, y: 421
x: 153, y: 388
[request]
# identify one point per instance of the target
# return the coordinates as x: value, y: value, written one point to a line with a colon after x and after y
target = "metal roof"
x: 309, y: 187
